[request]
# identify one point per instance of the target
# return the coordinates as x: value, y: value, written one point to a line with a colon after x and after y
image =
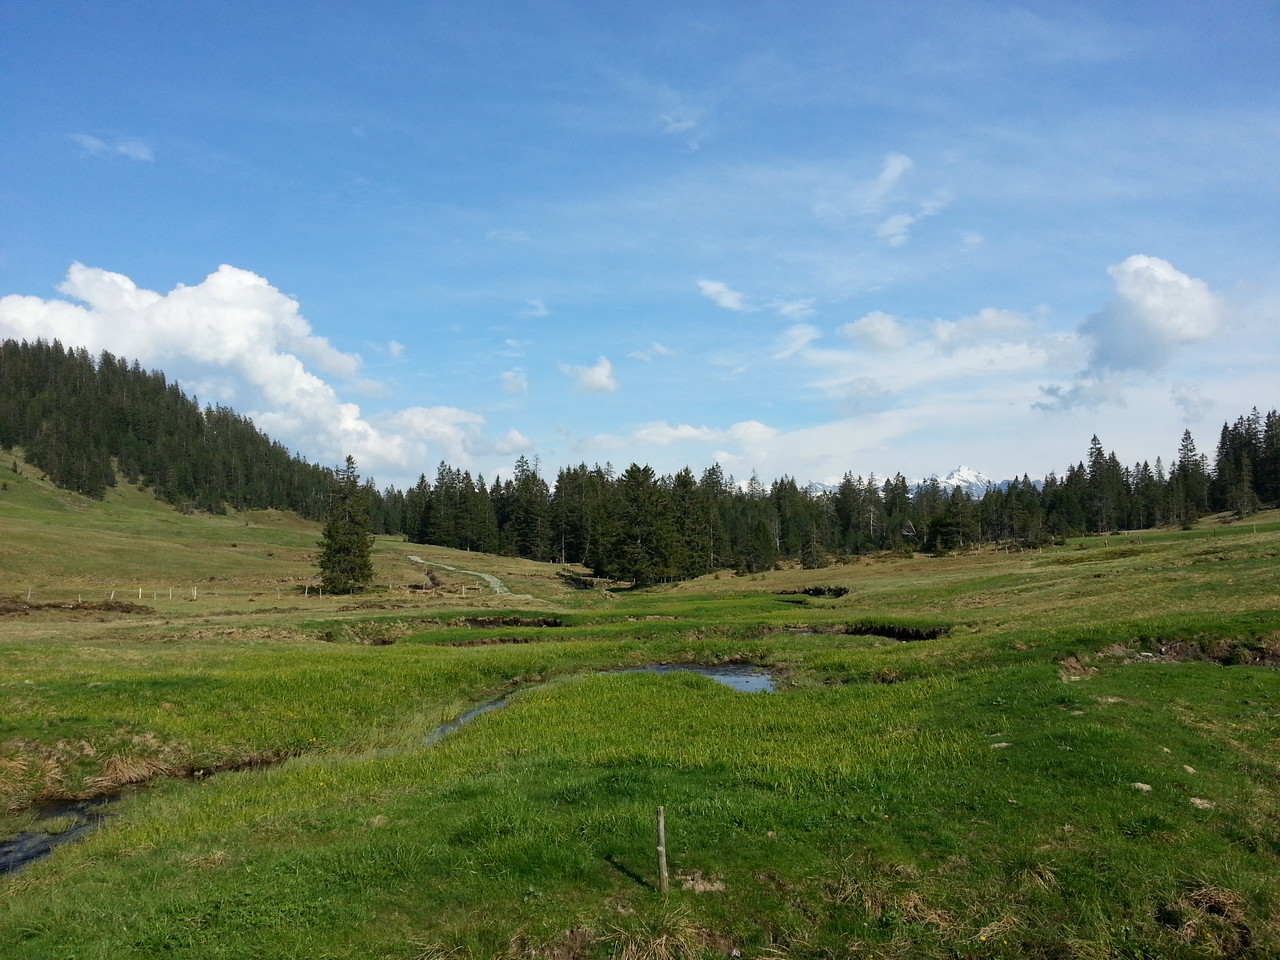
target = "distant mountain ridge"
x: 972, y: 482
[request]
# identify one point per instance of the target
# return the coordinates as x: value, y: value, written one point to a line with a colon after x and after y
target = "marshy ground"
x: 1062, y: 753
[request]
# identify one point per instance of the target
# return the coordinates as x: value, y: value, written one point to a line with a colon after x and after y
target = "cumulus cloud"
x: 594, y: 379
x: 395, y: 349
x: 877, y: 331
x: 249, y: 344
x: 723, y: 296
x: 513, y: 441
x: 1157, y: 310
x: 133, y: 149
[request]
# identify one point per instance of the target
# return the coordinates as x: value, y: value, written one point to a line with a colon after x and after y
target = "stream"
x: 79, y: 818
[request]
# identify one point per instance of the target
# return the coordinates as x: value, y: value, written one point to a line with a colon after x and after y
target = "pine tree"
x: 346, y: 546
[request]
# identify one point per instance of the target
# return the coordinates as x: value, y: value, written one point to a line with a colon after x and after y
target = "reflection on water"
x: 743, y: 677
x: 76, y: 818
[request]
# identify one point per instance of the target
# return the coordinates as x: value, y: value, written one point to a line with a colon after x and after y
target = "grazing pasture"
x: 1072, y: 752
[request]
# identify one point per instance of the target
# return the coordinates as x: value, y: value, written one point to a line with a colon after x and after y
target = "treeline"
x: 640, y: 527
x: 84, y: 420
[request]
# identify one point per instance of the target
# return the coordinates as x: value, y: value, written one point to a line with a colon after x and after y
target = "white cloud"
x: 1157, y: 310
x: 663, y: 434
x: 395, y: 349
x: 988, y: 325
x: 795, y: 309
x: 896, y: 230
x: 795, y: 339
x: 513, y: 442
x: 894, y: 168
x: 131, y: 148
x: 514, y: 381
x: 654, y: 350
x: 722, y: 295
x: 867, y: 198
x: 513, y: 348
x: 535, y: 310
x: 595, y: 379
x: 877, y: 331
x: 236, y: 338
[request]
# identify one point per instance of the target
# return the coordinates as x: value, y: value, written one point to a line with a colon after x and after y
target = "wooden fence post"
x: 662, y: 852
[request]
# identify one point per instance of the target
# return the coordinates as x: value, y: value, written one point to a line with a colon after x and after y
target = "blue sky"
x: 793, y: 239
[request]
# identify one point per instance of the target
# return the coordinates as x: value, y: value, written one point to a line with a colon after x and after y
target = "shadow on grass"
x: 626, y: 871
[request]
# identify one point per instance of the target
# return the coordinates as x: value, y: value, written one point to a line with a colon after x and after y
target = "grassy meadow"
x: 1084, y: 764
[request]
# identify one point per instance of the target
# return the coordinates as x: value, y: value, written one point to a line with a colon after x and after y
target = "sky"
x: 793, y: 239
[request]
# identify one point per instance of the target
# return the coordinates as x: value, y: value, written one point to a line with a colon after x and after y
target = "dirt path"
x: 499, y: 587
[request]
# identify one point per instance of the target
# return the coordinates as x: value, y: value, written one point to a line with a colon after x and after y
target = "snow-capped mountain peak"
x: 966, y: 478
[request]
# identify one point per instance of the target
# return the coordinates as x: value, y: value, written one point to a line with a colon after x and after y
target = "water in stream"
x: 85, y: 816
x: 76, y: 818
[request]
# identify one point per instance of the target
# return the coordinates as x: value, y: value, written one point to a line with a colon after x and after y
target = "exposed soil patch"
x: 1213, y: 914
x: 489, y: 622
x: 493, y: 641
x: 890, y: 631
x: 11, y: 606
x: 815, y: 592
x: 1263, y: 651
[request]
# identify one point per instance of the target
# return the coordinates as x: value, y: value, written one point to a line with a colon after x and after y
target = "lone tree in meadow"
x: 346, y: 545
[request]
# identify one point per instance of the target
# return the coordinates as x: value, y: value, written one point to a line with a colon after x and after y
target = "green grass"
x: 969, y: 796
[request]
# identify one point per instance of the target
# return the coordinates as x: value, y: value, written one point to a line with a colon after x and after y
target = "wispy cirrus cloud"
x: 651, y: 352
x: 535, y: 309
x: 723, y: 295
x: 129, y: 147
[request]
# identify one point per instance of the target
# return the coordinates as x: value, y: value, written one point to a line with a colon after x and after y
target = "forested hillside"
x: 644, y: 528
x: 84, y: 420
x: 81, y: 420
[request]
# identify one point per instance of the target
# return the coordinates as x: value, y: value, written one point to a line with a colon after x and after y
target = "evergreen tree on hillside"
x: 346, y: 545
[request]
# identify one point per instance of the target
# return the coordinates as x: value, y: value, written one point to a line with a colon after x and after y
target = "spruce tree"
x: 346, y: 545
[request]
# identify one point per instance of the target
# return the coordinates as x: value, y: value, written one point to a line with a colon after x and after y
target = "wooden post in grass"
x: 662, y: 852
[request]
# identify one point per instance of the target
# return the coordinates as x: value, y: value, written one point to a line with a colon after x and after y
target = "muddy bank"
x: 11, y: 607
x: 890, y: 631
x: 1262, y: 651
